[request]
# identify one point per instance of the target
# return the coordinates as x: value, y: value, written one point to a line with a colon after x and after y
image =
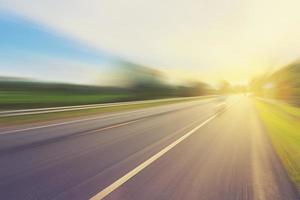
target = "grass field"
x: 33, y: 99
x: 283, y: 124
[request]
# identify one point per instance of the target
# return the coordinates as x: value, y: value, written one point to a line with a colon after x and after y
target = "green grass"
x: 283, y: 124
x: 288, y: 109
x: 34, y: 118
x: 33, y: 99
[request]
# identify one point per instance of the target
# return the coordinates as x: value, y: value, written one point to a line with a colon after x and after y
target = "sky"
x: 209, y: 40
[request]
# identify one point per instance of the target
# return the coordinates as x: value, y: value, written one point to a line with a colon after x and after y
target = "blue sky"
x: 28, y: 49
x: 21, y: 35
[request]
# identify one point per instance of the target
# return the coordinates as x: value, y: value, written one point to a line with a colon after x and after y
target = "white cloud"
x: 44, y: 68
x: 206, y: 39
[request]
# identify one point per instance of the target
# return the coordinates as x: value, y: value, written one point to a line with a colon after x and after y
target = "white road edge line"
x: 69, y: 122
x: 22, y: 112
x: 108, y: 116
x: 139, y: 168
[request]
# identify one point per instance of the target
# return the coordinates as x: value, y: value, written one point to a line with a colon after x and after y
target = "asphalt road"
x: 177, y: 151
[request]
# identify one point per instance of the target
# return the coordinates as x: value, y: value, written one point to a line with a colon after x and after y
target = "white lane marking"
x: 69, y: 122
x: 114, y: 126
x: 106, y: 191
x: 81, y: 120
x: 139, y: 168
x: 10, y: 113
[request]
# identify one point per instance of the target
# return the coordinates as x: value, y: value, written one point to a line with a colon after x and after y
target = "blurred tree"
x: 282, y: 84
x: 224, y: 87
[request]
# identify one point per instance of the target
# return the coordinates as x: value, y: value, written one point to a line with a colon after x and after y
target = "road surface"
x: 178, y: 151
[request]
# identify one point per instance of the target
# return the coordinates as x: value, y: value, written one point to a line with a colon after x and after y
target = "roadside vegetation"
x: 283, y: 84
x: 16, y: 94
x: 279, y: 109
x: 132, y: 82
x: 30, y: 94
x: 283, y: 124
